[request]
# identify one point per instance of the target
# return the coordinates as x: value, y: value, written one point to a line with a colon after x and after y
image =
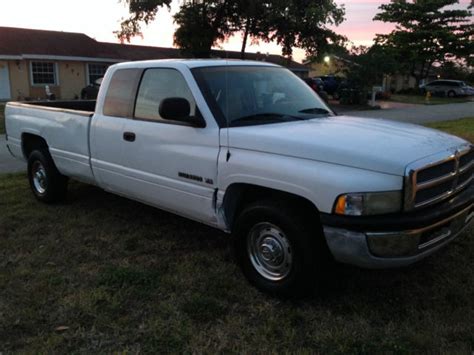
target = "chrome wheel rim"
x: 270, y: 251
x: 39, y: 177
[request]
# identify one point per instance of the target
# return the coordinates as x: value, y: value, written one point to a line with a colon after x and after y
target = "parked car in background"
x: 315, y: 83
x: 318, y: 86
x: 91, y: 91
x: 331, y: 84
x: 469, y: 90
x: 449, y: 88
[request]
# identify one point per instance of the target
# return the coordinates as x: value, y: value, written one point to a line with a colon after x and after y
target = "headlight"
x: 370, y: 203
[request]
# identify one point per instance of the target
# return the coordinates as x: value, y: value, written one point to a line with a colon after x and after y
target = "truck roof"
x: 195, y: 63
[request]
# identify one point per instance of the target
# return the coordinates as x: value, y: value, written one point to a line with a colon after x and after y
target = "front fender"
x: 319, y: 182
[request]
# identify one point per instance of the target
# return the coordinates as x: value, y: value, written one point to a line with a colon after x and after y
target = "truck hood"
x: 370, y: 144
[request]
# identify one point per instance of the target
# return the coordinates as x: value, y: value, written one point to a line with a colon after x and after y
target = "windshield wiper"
x: 265, y: 117
x: 315, y: 110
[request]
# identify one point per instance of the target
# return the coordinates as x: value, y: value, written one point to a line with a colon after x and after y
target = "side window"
x: 157, y: 85
x: 120, y: 95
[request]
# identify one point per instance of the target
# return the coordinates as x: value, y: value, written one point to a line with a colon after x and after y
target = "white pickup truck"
x: 249, y: 148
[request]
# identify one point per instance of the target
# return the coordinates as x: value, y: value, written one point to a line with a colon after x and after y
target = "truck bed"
x: 74, y: 105
x: 64, y: 125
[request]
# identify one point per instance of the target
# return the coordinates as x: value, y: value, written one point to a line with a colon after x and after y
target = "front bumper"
x: 381, y: 245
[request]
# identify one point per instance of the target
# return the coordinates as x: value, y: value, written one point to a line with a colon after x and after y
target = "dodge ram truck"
x: 248, y: 148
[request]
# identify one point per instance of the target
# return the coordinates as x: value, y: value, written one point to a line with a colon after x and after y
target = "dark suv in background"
x: 331, y: 84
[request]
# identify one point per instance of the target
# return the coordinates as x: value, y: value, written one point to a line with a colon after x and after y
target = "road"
x: 409, y: 113
x: 421, y: 113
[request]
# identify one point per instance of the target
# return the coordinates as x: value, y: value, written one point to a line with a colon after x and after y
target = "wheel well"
x: 240, y: 195
x: 30, y: 142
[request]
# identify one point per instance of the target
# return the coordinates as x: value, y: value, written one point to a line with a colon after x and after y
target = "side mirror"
x: 179, y: 109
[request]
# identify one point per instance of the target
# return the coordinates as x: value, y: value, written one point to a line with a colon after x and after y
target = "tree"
x: 203, y: 24
x: 452, y: 70
x: 304, y: 24
x: 427, y: 32
x: 140, y: 11
x: 250, y: 18
x: 370, y: 65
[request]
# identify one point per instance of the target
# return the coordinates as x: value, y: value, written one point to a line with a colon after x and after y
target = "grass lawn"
x: 2, y: 118
x: 420, y: 99
x: 101, y: 274
x: 463, y: 128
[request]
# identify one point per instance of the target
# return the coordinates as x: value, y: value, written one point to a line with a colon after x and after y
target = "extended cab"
x: 249, y: 148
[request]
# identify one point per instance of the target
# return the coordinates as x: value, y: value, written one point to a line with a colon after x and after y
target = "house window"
x: 96, y: 71
x: 43, y: 73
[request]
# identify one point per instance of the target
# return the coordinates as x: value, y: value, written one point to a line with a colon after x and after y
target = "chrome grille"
x: 434, y: 179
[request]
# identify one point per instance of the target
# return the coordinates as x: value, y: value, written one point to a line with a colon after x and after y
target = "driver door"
x: 170, y: 164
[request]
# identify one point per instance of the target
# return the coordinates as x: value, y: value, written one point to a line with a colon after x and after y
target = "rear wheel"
x: 278, y: 250
x: 46, y: 182
x: 451, y: 93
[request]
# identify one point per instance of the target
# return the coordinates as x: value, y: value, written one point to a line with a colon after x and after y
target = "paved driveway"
x: 421, y: 113
x: 8, y: 164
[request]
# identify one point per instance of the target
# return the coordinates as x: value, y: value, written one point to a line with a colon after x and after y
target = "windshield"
x: 248, y: 95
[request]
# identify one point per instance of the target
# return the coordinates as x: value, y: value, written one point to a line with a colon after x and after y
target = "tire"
x: 451, y: 93
x: 277, y: 249
x: 46, y: 182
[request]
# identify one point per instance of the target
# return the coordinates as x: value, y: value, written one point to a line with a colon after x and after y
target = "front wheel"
x: 46, y: 182
x: 279, y: 251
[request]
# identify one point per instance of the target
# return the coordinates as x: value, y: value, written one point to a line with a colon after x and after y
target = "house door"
x: 4, y: 82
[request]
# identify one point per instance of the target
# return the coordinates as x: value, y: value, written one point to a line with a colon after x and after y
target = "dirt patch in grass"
x: 101, y: 274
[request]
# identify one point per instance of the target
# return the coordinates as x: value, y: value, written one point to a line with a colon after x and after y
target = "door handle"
x: 129, y: 136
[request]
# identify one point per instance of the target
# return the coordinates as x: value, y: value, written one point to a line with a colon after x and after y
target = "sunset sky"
x: 99, y: 18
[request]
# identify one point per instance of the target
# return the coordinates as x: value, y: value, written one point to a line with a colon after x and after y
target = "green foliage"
x: 202, y: 308
x: 141, y: 11
x: 122, y: 277
x: 427, y: 32
x: 463, y: 128
x: 203, y: 24
x: 370, y: 65
x: 251, y: 18
x: 304, y: 24
x: 455, y: 71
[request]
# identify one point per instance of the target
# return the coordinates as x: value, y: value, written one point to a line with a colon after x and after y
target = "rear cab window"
x: 121, y: 93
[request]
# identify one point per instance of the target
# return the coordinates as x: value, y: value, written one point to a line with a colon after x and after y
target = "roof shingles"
x: 23, y: 42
